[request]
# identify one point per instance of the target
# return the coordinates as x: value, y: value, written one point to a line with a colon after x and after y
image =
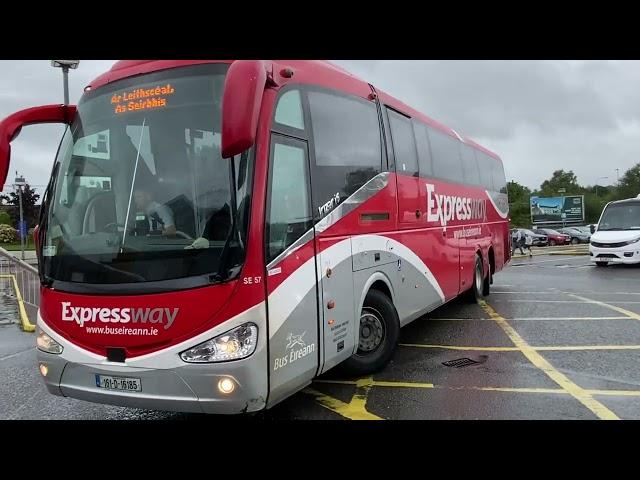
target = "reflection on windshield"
x: 621, y: 216
x: 141, y: 192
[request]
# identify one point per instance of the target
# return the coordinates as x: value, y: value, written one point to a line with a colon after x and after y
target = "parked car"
x: 538, y: 239
x: 586, y: 229
x: 555, y: 237
x: 577, y: 235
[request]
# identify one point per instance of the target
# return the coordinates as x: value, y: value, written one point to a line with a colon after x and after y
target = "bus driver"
x: 158, y: 216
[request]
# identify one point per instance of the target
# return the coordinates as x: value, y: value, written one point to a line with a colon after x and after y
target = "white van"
x: 616, y: 239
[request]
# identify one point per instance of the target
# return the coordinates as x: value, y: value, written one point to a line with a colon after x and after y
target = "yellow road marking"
x: 382, y: 383
x: 517, y: 319
x: 539, y: 361
x: 526, y: 300
x: 27, y: 326
x: 560, y: 391
x: 549, y: 348
x: 616, y: 393
x: 455, y: 347
x: 624, y: 311
x: 355, y: 409
x: 578, y: 348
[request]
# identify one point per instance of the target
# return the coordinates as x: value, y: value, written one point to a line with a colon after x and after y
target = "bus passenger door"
x: 292, y: 297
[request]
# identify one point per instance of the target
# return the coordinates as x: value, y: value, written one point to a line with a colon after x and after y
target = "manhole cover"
x: 460, y: 362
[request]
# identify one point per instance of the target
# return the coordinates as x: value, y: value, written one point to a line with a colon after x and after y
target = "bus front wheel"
x: 379, y: 331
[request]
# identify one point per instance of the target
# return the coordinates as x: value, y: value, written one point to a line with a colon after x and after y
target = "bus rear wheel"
x: 480, y: 284
x: 379, y: 330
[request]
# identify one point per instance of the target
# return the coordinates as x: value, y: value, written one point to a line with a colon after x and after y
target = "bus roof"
x: 319, y: 72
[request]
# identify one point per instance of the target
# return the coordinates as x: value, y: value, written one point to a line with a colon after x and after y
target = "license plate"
x: 118, y: 383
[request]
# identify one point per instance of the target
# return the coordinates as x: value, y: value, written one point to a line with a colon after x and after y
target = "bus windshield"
x: 621, y: 216
x: 139, y: 190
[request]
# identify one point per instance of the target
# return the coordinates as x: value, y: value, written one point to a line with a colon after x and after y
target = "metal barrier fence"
x: 26, y: 284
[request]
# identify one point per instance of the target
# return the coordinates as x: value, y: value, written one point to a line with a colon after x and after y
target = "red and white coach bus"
x: 216, y: 234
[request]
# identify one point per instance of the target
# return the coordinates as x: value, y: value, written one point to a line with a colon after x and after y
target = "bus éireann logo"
x: 296, y: 349
x: 295, y: 340
x: 445, y: 208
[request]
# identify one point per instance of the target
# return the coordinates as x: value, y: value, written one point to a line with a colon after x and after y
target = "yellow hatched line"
x: 27, y: 326
x: 355, y: 409
x: 539, y: 361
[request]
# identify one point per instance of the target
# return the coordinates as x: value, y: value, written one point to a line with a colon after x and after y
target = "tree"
x: 519, y: 211
x: 560, y: 180
x: 30, y: 209
x: 630, y: 183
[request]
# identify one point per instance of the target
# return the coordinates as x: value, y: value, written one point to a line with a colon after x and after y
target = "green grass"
x: 16, y: 246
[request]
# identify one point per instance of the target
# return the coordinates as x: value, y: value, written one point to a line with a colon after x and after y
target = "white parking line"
x: 17, y: 353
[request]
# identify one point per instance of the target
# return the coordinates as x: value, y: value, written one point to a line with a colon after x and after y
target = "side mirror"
x: 241, y: 101
x: 10, y: 128
x: 592, y: 228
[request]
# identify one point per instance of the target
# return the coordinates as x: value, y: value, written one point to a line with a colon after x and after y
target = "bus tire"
x: 379, y: 332
x: 486, y: 284
x: 476, y: 292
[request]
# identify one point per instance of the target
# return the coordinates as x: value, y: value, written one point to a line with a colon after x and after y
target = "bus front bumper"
x: 189, y: 388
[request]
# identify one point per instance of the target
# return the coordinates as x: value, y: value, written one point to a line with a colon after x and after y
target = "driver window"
x: 289, y: 214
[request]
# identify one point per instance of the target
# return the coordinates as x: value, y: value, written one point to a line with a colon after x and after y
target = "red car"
x: 555, y: 237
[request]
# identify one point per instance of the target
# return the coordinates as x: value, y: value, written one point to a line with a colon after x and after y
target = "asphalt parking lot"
x: 557, y: 338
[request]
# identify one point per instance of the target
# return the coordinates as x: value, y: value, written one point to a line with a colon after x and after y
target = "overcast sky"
x: 539, y: 116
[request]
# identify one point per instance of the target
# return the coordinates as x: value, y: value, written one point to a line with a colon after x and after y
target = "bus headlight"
x: 631, y: 242
x: 232, y: 345
x: 48, y: 344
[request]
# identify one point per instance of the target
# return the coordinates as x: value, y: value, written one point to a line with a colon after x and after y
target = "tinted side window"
x: 346, y: 131
x: 499, y: 181
x: 470, y: 165
x: 346, y: 139
x: 424, y: 150
x: 447, y: 163
x: 485, y: 163
x: 404, y: 146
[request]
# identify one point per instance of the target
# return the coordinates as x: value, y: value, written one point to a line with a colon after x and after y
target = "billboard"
x: 557, y: 209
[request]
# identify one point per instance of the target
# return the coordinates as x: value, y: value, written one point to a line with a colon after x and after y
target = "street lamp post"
x: 65, y: 65
x: 599, y: 178
x: 18, y: 184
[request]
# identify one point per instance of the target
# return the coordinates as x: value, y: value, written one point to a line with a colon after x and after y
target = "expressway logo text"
x: 445, y: 208
x: 82, y: 315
